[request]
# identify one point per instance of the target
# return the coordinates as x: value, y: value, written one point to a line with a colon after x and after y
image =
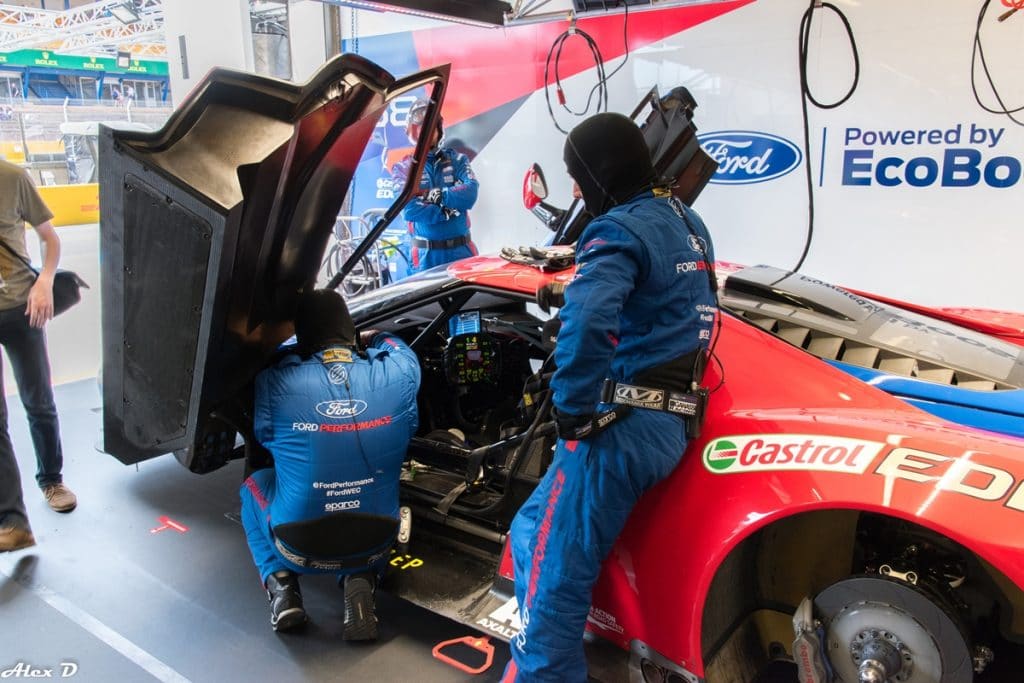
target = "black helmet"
x: 322, y: 319
x: 608, y: 158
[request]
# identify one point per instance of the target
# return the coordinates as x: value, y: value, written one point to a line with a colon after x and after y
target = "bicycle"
x: 372, y: 270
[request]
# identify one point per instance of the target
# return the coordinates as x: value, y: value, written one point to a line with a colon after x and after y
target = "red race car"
x: 849, y: 506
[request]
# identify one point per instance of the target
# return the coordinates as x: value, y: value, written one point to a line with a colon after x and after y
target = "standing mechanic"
x: 26, y: 305
x: 438, y: 215
x: 639, y: 313
x: 337, y: 422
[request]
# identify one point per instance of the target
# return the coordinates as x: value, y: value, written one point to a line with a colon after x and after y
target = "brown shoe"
x: 60, y: 497
x: 14, y: 538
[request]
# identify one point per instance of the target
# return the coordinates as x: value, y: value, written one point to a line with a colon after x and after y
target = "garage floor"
x: 114, y: 591
x: 109, y: 592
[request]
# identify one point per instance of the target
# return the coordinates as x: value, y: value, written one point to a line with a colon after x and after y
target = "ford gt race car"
x: 850, y: 507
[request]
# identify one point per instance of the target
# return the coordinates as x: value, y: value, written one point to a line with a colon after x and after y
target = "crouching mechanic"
x: 639, y: 313
x: 438, y: 215
x: 337, y: 421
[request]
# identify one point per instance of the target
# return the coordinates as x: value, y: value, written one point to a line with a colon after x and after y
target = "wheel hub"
x: 880, y: 656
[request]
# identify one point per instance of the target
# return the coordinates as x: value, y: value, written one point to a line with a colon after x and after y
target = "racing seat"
x: 338, y: 541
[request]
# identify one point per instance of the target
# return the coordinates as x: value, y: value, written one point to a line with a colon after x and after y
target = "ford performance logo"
x: 340, y: 409
x: 746, y: 156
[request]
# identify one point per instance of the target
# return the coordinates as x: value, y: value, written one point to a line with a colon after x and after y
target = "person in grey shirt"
x: 26, y: 305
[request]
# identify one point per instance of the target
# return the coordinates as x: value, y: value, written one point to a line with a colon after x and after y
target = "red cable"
x: 1014, y: 5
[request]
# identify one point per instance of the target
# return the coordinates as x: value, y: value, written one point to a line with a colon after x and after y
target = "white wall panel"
x: 216, y: 34
x: 306, y: 32
x: 933, y: 244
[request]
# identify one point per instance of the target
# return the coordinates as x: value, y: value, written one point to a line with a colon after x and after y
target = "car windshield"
x: 401, y: 294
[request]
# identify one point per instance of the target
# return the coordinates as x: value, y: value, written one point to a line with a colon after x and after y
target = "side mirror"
x: 535, y: 188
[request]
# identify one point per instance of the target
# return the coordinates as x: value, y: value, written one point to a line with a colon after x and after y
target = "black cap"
x: 322, y: 319
x: 608, y: 158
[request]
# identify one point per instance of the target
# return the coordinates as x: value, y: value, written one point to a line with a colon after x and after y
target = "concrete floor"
x: 105, y: 593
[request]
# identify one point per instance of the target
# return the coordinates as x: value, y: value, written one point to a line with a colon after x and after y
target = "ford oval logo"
x: 340, y: 409
x: 746, y: 156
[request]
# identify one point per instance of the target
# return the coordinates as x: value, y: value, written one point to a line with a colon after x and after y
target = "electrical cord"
x: 978, y: 54
x: 709, y: 267
x: 600, y: 88
x: 558, y: 44
x: 805, y: 96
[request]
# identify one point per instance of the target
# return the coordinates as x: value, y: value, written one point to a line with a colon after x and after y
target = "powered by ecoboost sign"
x: 962, y: 155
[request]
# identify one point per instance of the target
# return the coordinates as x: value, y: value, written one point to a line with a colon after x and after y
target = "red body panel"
x: 494, y: 271
x: 682, y: 530
x: 966, y: 485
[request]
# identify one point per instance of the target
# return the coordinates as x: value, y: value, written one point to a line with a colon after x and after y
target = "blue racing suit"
x: 338, y: 425
x: 440, y: 232
x: 641, y: 298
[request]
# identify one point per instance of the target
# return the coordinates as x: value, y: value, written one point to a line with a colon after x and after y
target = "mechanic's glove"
x: 433, y: 197
x: 573, y: 427
x: 551, y: 295
x: 549, y: 333
x: 366, y: 338
x: 449, y: 213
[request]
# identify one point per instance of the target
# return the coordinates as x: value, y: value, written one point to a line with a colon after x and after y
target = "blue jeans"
x: 26, y: 350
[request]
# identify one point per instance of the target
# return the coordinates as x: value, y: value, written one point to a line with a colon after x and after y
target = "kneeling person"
x: 337, y: 422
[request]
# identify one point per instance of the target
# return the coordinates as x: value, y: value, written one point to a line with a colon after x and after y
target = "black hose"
x: 805, y: 96
x: 600, y: 88
x: 978, y: 54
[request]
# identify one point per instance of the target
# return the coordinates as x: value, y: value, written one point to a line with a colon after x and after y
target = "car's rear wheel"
x: 880, y: 629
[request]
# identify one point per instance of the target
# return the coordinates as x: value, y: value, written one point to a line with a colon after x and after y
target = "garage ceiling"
x: 500, y: 13
x: 486, y: 12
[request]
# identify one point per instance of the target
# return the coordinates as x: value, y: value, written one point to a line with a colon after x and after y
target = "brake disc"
x: 879, y: 629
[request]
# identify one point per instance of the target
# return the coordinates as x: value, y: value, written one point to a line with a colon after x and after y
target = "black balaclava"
x: 608, y: 158
x: 322, y: 319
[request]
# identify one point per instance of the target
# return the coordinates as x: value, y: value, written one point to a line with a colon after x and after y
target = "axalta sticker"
x: 503, y: 621
x: 765, y: 452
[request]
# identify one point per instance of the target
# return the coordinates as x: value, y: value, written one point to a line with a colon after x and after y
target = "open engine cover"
x: 209, y: 229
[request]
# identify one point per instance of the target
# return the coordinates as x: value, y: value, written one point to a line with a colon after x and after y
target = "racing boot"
x: 360, y: 615
x: 286, y: 611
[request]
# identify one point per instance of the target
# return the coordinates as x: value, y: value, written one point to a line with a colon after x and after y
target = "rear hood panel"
x: 209, y: 229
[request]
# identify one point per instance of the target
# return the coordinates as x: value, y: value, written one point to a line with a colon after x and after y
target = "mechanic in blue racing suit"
x: 337, y: 422
x: 639, y: 312
x: 438, y: 215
